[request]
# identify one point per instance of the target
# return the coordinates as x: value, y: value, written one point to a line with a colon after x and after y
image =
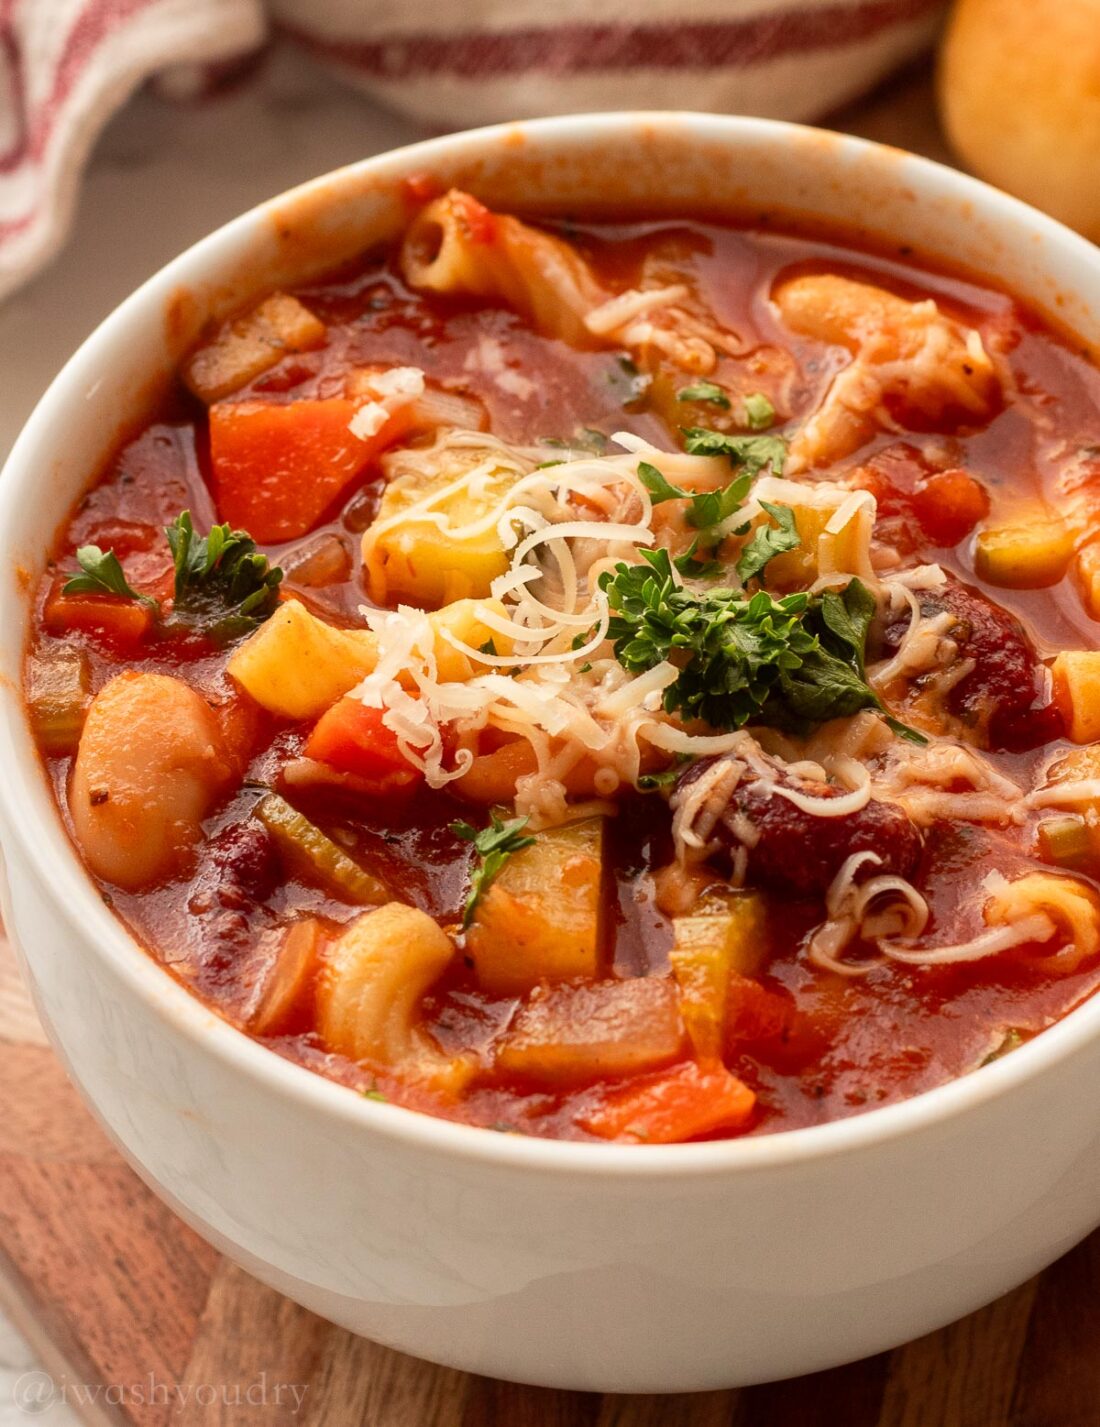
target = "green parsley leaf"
x: 752, y: 453
x: 102, y: 575
x: 712, y: 508
x: 224, y: 585
x: 768, y: 541
x: 704, y: 391
x: 658, y: 487
x: 493, y: 845
x: 653, y: 782
x: 692, y: 568
x: 487, y: 648
x: 742, y: 657
x: 759, y: 412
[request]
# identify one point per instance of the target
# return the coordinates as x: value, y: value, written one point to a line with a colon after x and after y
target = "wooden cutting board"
x: 141, y: 1324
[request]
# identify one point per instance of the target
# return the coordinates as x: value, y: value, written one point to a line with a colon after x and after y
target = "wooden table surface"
x: 137, y: 1321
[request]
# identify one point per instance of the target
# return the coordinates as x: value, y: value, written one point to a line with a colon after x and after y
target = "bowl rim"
x: 32, y: 823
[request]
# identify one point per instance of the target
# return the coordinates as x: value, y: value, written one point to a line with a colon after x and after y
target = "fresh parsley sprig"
x: 751, y: 453
x: 706, y: 509
x: 493, y: 845
x: 224, y: 587
x: 768, y: 541
x: 102, y: 574
x: 223, y: 583
x: 792, y: 662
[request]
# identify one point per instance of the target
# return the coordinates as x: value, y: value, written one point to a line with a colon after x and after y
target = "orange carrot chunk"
x: 353, y: 739
x: 122, y: 623
x: 278, y: 468
x: 681, y: 1103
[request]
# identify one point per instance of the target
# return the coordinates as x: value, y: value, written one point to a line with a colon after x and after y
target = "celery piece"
x: 1064, y: 841
x: 58, y: 695
x: 311, y: 852
x: 1025, y: 557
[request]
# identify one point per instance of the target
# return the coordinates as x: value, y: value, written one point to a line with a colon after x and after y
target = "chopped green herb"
x: 652, y: 782
x: 374, y: 1094
x: 759, y: 412
x: 658, y: 487
x: 752, y: 453
x: 706, y: 509
x: 494, y: 845
x: 487, y: 648
x: 102, y: 575
x: 768, y: 541
x: 692, y: 568
x: 743, y: 657
x: 585, y: 669
x: 224, y: 585
x: 704, y: 391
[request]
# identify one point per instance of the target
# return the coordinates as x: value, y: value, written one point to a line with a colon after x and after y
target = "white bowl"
x: 572, y: 1265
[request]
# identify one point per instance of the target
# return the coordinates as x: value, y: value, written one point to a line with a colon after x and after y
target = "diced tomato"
x: 278, y: 467
x: 949, y: 504
x: 753, y: 1013
x: 945, y: 504
x: 671, y: 1105
x: 353, y: 739
x: 122, y: 623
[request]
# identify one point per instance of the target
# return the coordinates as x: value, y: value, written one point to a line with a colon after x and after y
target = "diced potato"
x: 834, y: 526
x: 540, y: 918
x: 463, y: 621
x: 595, y: 1030
x: 369, y: 993
x: 724, y: 934
x: 297, y: 666
x: 1026, y: 556
x: 247, y: 345
x: 313, y: 853
x: 413, y: 559
x: 1086, y: 570
x: 1077, y: 692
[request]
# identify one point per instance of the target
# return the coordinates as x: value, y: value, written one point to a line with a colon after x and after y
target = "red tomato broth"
x: 835, y: 1046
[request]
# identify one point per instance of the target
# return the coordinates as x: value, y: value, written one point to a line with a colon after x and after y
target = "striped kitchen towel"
x: 67, y: 65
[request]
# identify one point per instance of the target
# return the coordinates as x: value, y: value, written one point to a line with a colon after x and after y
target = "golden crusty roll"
x: 1019, y: 91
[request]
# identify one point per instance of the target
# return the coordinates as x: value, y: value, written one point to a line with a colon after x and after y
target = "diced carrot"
x: 278, y: 467
x: 288, y: 979
x: 353, y: 739
x: 949, y: 504
x: 673, y: 1105
x: 123, y: 623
